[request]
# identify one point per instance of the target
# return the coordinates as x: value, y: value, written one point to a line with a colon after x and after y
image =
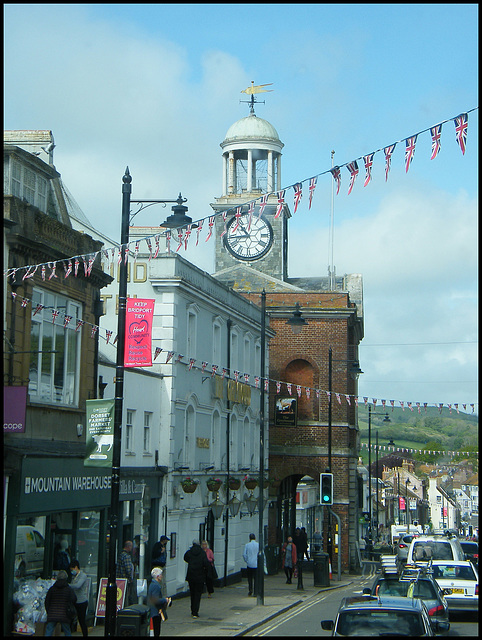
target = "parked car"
x: 460, y: 582
x: 402, y: 546
x: 382, y: 615
x: 425, y: 548
x: 471, y: 550
x: 29, y: 551
x: 422, y: 586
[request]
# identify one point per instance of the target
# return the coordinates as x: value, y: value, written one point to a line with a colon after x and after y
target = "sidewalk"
x: 231, y: 612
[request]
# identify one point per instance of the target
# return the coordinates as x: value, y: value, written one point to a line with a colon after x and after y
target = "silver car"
x: 402, y: 546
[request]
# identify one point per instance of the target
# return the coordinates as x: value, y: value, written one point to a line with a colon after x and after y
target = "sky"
x: 155, y: 87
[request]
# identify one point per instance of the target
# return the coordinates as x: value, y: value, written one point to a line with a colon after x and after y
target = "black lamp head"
x: 179, y: 218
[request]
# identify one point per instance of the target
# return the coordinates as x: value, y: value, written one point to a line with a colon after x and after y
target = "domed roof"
x: 251, y: 128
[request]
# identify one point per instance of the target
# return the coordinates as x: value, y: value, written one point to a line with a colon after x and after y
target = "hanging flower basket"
x: 233, y: 483
x: 189, y: 485
x: 214, y: 484
x: 250, y: 483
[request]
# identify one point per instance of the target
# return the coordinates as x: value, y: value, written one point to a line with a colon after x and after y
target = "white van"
x: 29, y: 551
x: 398, y: 530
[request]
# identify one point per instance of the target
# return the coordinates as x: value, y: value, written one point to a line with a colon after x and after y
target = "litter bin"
x: 321, y: 569
x: 133, y: 621
x: 271, y: 554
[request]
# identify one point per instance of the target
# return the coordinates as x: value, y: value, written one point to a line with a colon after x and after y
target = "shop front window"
x: 30, y: 548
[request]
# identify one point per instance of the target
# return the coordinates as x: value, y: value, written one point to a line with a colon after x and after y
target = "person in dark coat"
x: 57, y: 600
x: 159, y: 553
x: 197, y: 569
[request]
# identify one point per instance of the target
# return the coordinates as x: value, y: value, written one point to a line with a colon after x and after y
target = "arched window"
x: 300, y: 372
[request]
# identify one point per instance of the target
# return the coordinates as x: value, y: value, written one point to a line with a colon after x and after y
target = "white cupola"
x: 251, y: 157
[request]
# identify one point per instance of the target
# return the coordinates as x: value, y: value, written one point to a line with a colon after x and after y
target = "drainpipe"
x: 228, y: 417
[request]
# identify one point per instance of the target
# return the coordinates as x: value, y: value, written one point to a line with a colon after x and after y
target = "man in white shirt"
x: 250, y: 556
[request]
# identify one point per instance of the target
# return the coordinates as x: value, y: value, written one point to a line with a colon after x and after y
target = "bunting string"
x: 461, y: 128
x: 386, y: 447
x: 341, y: 398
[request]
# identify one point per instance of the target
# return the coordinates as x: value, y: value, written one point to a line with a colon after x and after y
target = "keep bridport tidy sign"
x: 138, y: 339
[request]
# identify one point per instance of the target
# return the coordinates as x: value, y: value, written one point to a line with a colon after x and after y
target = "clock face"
x: 248, y: 241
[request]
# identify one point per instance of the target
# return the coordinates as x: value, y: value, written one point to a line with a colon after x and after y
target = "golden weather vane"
x: 252, y: 90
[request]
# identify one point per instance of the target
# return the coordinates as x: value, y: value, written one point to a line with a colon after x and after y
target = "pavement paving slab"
x: 231, y: 612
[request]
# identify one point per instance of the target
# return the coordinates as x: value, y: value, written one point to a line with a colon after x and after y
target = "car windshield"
x: 437, y: 550
x: 380, y: 621
x: 454, y: 572
x: 470, y: 547
x: 423, y: 589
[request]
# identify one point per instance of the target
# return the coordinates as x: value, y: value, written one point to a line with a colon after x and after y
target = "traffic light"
x: 326, y: 488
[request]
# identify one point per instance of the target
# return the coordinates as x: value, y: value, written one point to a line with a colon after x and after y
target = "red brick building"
x: 252, y: 258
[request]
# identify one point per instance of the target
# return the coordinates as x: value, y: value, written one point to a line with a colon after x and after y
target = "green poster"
x: 100, y: 433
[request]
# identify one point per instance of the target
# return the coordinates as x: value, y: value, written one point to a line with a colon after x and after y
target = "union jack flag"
x: 180, y: 239
x: 156, y: 239
x: 191, y: 362
x: 353, y: 169
x: 225, y: 230
x: 336, y: 173
x: 256, y: 381
x: 157, y: 352
x: 55, y: 313
x: 409, y: 151
x: 67, y: 319
x: 435, y: 132
x: 204, y: 365
x: 266, y: 384
x: 368, y: 160
x: 39, y: 308
x: 80, y: 323
x: 29, y: 273
x: 262, y: 205
x: 388, y: 158
x: 281, y: 200
x: 278, y: 386
x: 94, y: 330
x: 288, y: 386
x: 169, y: 356
x: 298, y: 390
x: 297, y: 187
x: 186, y: 237
x: 136, y: 250
x: 108, y: 334
x: 210, y: 224
x: 25, y: 302
x: 149, y: 245
x: 461, y: 125
x: 168, y: 242
x: 214, y: 369
x: 76, y: 266
x: 43, y: 273
x: 312, y: 188
x: 308, y: 392
x: 237, y: 215
x: 68, y: 269
x: 199, y: 227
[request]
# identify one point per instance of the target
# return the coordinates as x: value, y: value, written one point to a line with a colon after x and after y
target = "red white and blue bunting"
x: 387, y: 447
x: 182, y: 236
x: 281, y: 386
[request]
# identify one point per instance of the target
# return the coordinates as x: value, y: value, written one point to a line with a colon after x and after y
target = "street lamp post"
x: 407, y: 514
x: 260, y: 570
x: 177, y: 220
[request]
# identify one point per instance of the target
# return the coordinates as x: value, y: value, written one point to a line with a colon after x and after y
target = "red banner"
x: 138, y: 350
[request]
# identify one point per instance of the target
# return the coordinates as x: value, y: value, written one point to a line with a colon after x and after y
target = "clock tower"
x: 251, y: 239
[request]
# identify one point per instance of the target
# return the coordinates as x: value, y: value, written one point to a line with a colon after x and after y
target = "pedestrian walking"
x: 125, y: 569
x: 159, y: 553
x: 289, y: 558
x: 211, y: 574
x: 80, y: 585
x: 303, y: 545
x: 197, y: 568
x: 250, y: 556
x: 59, y: 605
x: 317, y: 540
x: 157, y: 603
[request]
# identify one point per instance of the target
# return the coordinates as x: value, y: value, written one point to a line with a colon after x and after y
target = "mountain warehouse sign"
x: 48, y: 484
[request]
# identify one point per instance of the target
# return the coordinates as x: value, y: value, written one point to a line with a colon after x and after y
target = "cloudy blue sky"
x: 156, y: 87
